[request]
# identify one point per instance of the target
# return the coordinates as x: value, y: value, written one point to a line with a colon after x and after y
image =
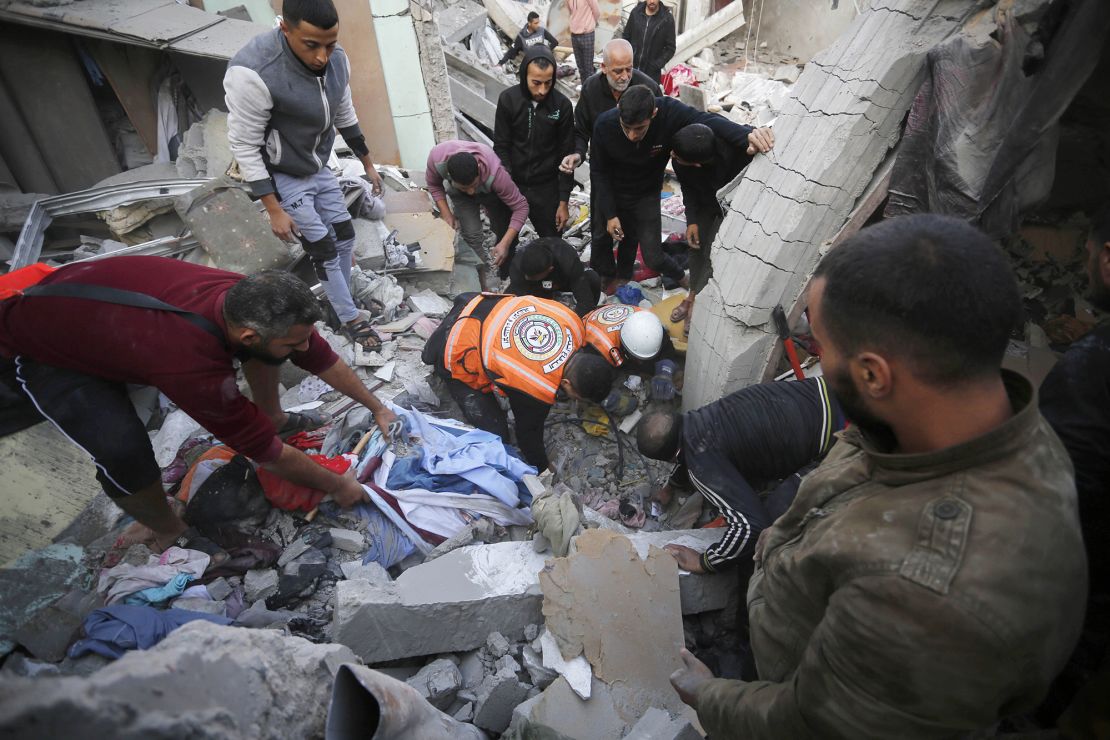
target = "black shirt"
x: 596, y: 98
x: 700, y: 184
x: 568, y: 275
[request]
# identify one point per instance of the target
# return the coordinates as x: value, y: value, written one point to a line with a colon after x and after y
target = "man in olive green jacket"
x: 929, y: 578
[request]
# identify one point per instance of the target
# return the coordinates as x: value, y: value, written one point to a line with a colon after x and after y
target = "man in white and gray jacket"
x: 287, y: 92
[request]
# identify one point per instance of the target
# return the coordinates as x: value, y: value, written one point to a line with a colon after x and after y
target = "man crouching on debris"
x: 98, y: 326
x: 525, y: 349
x: 928, y: 577
x: 286, y: 92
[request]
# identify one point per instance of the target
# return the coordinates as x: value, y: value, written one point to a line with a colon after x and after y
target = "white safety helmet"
x: 642, y: 335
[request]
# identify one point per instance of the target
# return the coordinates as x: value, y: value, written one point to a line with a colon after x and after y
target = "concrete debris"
x: 497, y: 644
x: 438, y: 682
x: 657, y: 724
x: 577, y: 671
x: 260, y: 584
x: 208, y: 606
x: 202, y: 681
x: 36, y: 580
x: 355, y: 570
x: 348, y: 541
x: 497, y: 697
x: 219, y: 589
x: 480, y: 530
x: 429, y: 304
x: 204, y: 150
x: 540, y: 675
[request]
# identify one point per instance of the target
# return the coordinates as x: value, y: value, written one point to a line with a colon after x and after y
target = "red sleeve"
x: 317, y: 358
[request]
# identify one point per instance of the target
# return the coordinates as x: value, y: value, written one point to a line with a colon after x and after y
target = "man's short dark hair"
x: 927, y: 288
x: 537, y: 256
x: 541, y: 63
x: 591, y: 376
x: 659, y: 434
x: 1100, y: 226
x: 462, y: 168
x: 533, y: 16
x: 636, y: 105
x: 271, y: 302
x: 320, y: 13
x: 694, y: 143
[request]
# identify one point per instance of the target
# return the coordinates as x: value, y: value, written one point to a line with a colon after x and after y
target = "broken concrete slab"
x: 438, y: 682
x: 657, y: 724
x: 347, y: 540
x: 48, y: 633
x: 203, y: 680
x: 476, y: 590
x: 206, y: 606
x: 231, y: 229
x: 701, y: 592
x: 560, y: 714
x: 260, y: 584
x: 577, y: 671
x: 460, y: 20
x: 606, y: 603
x: 372, y: 572
x: 498, y: 695
x: 36, y: 580
x: 708, y: 32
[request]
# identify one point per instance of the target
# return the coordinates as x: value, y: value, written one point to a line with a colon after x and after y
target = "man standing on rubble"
x: 730, y: 450
x: 472, y: 175
x: 523, y: 349
x: 532, y: 133
x: 88, y: 329
x: 583, y: 24
x: 599, y: 94
x: 925, y: 580
x: 548, y: 266
x: 1075, y: 398
x: 287, y: 91
x: 533, y: 34
x: 703, y: 164
x: 631, y: 147
x: 650, y: 30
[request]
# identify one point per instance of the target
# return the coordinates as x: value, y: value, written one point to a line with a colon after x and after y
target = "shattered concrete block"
x: 35, y: 580
x: 294, y: 550
x: 204, y: 680
x: 369, y: 249
x: 560, y: 714
x: 498, y: 696
x: 260, y: 584
x: 497, y: 644
x: 471, y: 668
x: 533, y: 663
x: 207, y: 606
x: 657, y: 724
x: 298, y: 575
x: 373, y: 572
x: 577, y: 671
x: 787, y: 73
x: 219, y: 589
x: 476, y: 590
x: 49, y: 632
x: 506, y: 665
x: 531, y: 632
x: 701, y: 592
x: 695, y: 97
x: 465, y: 713
x: 438, y: 682
x: 347, y: 540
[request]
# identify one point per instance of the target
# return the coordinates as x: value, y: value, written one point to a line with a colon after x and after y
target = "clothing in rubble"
x: 734, y: 447
x: 114, y: 630
x: 568, y: 275
x: 652, y: 38
x: 74, y: 354
x: 156, y: 595
x: 525, y: 40
x: 119, y: 582
x: 531, y: 138
x: 913, y: 595
x: 628, y: 177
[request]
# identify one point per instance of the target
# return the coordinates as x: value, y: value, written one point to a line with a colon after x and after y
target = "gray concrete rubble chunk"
x: 203, y: 680
x: 347, y: 540
x: 497, y: 697
x: 497, y: 644
x: 438, y: 682
x: 657, y: 724
x: 465, y: 713
x: 448, y: 605
x: 471, y: 668
x: 506, y: 665
x: 295, y: 549
x: 219, y: 589
x: 533, y: 663
x: 531, y: 632
x: 260, y: 584
x: 560, y: 714
x: 372, y: 572
x: 205, y: 606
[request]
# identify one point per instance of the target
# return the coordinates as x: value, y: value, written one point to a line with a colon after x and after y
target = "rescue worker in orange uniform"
x: 523, y: 348
x: 633, y: 339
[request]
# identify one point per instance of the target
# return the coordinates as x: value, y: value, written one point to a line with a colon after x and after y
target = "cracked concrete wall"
x: 433, y: 65
x: 845, y: 114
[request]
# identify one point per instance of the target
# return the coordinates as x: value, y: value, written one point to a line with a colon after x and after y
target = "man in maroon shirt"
x: 73, y: 357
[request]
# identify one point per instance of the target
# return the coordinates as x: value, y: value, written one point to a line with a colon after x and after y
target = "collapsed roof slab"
x: 845, y: 114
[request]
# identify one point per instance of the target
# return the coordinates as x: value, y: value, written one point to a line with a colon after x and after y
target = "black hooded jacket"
x: 532, y: 139
x: 652, y: 38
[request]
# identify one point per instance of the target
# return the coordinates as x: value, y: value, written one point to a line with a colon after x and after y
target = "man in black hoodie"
x: 532, y: 133
x: 631, y: 146
x: 650, y: 30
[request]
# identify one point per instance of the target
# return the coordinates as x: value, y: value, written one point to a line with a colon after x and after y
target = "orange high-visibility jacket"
x: 522, y: 343
x: 603, y: 330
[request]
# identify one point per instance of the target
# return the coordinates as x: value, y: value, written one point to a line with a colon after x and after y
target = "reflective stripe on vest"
x: 523, y: 343
x: 603, y: 330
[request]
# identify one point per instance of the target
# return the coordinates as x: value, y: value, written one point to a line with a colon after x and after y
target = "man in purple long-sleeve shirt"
x: 472, y: 175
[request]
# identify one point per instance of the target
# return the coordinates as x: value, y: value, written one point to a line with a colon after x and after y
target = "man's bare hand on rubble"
x: 688, y: 559
x: 689, y: 678
x: 761, y: 141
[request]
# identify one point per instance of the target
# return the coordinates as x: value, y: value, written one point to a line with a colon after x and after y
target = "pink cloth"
x: 583, y: 15
x: 488, y: 162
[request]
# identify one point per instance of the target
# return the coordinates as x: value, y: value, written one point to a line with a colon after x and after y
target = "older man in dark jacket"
x: 532, y: 133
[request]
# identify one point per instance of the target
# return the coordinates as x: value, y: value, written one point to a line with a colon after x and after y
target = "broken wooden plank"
x: 708, y: 32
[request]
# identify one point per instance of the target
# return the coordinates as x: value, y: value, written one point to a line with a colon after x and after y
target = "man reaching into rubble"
x: 631, y: 147
x: 924, y: 582
x: 78, y: 345
x: 472, y: 175
x: 550, y: 265
x: 650, y: 30
x: 734, y: 448
x: 533, y: 34
x: 599, y: 94
x: 533, y: 131
x: 287, y: 91
x: 524, y: 349
x: 703, y: 164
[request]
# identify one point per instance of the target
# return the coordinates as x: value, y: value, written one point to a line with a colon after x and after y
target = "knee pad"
x: 320, y: 251
x: 344, y: 230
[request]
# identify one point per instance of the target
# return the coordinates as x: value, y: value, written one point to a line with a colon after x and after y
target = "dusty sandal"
x: 681, y: 311
x: 303, y: 421
x: 362, y: 333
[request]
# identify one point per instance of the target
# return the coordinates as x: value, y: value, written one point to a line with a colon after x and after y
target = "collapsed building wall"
x: 845, y: 115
